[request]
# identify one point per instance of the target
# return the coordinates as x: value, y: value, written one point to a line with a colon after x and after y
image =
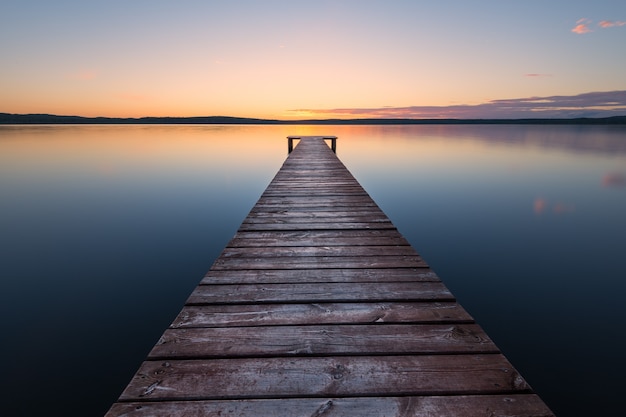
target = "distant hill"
x: 7, y: 118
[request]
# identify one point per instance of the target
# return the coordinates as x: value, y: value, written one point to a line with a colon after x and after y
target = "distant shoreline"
x: 19, y: 119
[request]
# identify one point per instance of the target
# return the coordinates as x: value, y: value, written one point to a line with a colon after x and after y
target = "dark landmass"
x: 7, y: 118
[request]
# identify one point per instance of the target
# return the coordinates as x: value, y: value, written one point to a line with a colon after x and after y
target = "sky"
x: 296, y: 59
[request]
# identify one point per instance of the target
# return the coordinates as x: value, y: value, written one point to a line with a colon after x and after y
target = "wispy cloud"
x: 597, y: 104
x: 582, y: 26
x: 610, y: 23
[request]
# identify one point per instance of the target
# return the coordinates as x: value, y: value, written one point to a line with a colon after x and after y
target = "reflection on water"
x: 107, y: 229
x: 614, y: 179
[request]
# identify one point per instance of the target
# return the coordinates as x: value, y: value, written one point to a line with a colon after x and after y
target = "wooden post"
x: 333, y: 144
x: 290, y: 143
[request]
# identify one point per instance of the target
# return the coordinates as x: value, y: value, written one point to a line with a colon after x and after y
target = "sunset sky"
x: 314, y: 59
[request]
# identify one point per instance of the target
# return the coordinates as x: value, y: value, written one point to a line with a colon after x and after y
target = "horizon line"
x: 48, y: 118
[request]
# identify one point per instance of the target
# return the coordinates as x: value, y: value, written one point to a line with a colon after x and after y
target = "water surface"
x: 107, y: 229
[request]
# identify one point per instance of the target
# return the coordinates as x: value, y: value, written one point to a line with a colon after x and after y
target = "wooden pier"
x: 319, y: 307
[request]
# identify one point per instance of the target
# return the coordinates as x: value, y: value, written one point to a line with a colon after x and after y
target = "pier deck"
x: 319, y: 307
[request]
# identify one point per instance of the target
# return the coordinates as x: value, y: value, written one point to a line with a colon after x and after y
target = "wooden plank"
x: 320, y: 313
x: 314, y: 192
x: 324, y: 235
x: 296, y: 276
x: 295, y: 215
x: 520, y: 405
x: 318, y: 251
x: 317, y: 226
x: 304, y: 201
x: 319, y: 293
x: 321, y: 262
x: 320, y: 178
x: 295, y: 221
x: 326, y: 212
x: 307, y: 193
x: 318, y: 238
x: 319, y: 210
x: 328, y: 340
x: 315, y: 185
x: 286, y: 204
x: 348, y: 376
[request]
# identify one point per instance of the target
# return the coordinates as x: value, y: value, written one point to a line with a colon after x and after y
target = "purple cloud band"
x: 596, y: 104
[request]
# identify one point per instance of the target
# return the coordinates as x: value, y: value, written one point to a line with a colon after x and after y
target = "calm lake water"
x: 105, y: 231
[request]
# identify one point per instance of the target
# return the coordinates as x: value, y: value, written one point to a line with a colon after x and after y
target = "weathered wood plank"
x: 307, y: 201
x: 317, y: 226
x: 318, y: 251
x: 388, y: 237
x: 302, y: 235
x: 320, y: 313
x: 520, y: 405
x: 295, y: 377
x: 319, y: 293
x: 308, y: 206
x: 298, y: 276
x: 329, y: 340
x: 296, y: 221
x: 320, y: 211
x: 321, y: 262
x: 315, y: 184
x: 320, y: 177
x: 326, y: 215
x: 307, y: 193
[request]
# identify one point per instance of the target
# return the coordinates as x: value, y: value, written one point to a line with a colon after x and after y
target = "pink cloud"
x: 610, y: 23
x: 582, y: 26
x: 536, y: 75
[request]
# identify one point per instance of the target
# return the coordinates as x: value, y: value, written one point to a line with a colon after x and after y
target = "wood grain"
x: 320, y: 313
x: 329, y: 340
x: 319, y: 292
x: 519, y: 405
x: 346, y: 275
x: 295, y: 377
